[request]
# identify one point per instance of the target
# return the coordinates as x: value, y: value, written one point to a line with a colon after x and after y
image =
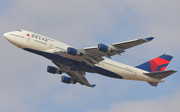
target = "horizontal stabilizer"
x: 160, y: 74
x: 153, y: 83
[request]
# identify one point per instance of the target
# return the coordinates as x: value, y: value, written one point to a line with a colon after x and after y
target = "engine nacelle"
x: 67, y: 80
x: 53, y: 70
x: 73, y: 51
x: 104, y: 48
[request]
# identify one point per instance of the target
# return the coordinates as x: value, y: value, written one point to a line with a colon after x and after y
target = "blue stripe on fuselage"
x: 70, y: 62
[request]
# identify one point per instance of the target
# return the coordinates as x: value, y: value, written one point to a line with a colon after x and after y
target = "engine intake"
x: 104, y: 48
x: 67, y: 80
x: 73, y: 51
x: 53, y: 70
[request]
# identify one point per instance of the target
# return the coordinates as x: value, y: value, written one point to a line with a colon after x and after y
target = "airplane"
x: 76, y: 62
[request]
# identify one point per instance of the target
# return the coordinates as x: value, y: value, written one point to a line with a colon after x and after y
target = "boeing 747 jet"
x: 76, y: 62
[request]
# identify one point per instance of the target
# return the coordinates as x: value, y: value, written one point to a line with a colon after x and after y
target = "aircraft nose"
x: 6, y: 35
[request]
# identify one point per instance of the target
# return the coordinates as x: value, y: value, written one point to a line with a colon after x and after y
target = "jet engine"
x: 103, y: 48
x: 53, y: 70
x: 73, y: 51
x: 67, y: 80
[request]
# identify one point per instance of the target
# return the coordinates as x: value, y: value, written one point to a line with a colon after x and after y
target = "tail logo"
x: 158, y: 64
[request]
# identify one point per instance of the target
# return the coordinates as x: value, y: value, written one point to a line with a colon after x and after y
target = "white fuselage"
x: 29, y: 40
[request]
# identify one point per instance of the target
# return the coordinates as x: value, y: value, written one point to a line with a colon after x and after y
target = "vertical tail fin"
x: 157, y: 64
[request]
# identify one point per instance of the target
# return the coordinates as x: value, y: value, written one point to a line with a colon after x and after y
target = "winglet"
x: 93, y: 85
x: 149, y: 38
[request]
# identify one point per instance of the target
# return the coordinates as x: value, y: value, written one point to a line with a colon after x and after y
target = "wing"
x: 94, y: 55
x: 118, y: 48
x: 76, y: 76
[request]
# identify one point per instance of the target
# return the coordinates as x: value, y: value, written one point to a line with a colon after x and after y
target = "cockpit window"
x: 19, y: 30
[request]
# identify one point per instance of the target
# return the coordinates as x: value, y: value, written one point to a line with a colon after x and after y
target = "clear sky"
x: 25, y: 86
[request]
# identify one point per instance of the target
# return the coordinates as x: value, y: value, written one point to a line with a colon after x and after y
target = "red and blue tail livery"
x: 157, y: 64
